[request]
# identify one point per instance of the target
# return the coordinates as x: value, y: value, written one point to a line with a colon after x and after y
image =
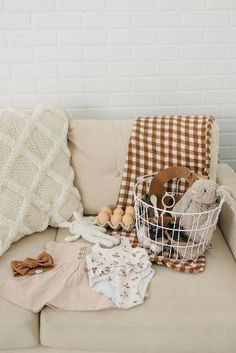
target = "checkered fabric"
x: 160, y: 142
x: 157, y: 143
x: 194, y: 266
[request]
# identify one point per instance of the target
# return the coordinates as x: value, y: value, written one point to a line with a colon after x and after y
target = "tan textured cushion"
x: 98, y: 150
x: 184, y: 314
x: 20, y: 327
x: 36, y: 179
x: 227, y: 221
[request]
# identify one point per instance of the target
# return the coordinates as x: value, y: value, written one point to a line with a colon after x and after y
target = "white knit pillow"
x: 36, y: 179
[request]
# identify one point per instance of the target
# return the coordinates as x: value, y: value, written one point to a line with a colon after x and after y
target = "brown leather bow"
x: 29, y: 266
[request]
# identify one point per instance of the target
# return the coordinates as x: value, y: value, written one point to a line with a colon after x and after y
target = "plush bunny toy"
x: 84, y: 227
x: 201, y: 196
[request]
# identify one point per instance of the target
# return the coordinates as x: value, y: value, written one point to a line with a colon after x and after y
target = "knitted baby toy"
x: 85, y: 228
x: 202, y: 196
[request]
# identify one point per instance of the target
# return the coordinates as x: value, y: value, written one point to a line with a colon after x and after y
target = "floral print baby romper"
x: 122, y: 273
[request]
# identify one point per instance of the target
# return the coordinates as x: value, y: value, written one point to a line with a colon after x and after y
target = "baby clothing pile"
x: 82, y: 277
x: 122, y: 273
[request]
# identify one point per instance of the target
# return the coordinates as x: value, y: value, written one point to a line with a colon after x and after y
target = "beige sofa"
x: 184, y: 314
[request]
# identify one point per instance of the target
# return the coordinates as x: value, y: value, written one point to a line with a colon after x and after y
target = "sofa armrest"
x: 227, y: 221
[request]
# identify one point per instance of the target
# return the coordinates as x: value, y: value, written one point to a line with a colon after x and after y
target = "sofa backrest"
x: 98, y: 149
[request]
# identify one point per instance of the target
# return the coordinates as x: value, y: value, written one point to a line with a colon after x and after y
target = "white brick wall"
x: 122, y: 58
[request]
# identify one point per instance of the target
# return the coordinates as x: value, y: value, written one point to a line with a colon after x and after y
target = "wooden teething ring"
x: 157, y: 188
x: 159, y: 180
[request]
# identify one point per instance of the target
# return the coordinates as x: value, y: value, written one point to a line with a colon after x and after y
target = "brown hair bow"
x: 29, y: 266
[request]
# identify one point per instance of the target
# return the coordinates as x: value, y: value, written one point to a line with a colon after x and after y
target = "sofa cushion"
x: 19, y: 327
x: 184, y: 314
x: 98, y: 150
x: 227, y: 221
x: 36, y: 179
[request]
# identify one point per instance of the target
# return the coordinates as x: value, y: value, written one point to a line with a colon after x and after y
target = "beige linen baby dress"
x: 66, y: 286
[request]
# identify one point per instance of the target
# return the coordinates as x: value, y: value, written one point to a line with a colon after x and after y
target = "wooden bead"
x: 107, y: 210
x: 103, y: 217
x: 129, y: 210
x: 127, y: 220
x: 119, y: 211
x: 116, y: 219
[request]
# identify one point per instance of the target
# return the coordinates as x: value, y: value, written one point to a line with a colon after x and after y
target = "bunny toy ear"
x: 77, y: 215
x: 228, y: 195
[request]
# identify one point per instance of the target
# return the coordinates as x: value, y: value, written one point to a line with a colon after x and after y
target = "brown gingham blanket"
x: 160, y: 142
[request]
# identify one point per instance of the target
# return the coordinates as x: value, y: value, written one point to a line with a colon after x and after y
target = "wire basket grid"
x: 175, y: 235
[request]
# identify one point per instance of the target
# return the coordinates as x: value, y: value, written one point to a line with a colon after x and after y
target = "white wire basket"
x: 161, y: 231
